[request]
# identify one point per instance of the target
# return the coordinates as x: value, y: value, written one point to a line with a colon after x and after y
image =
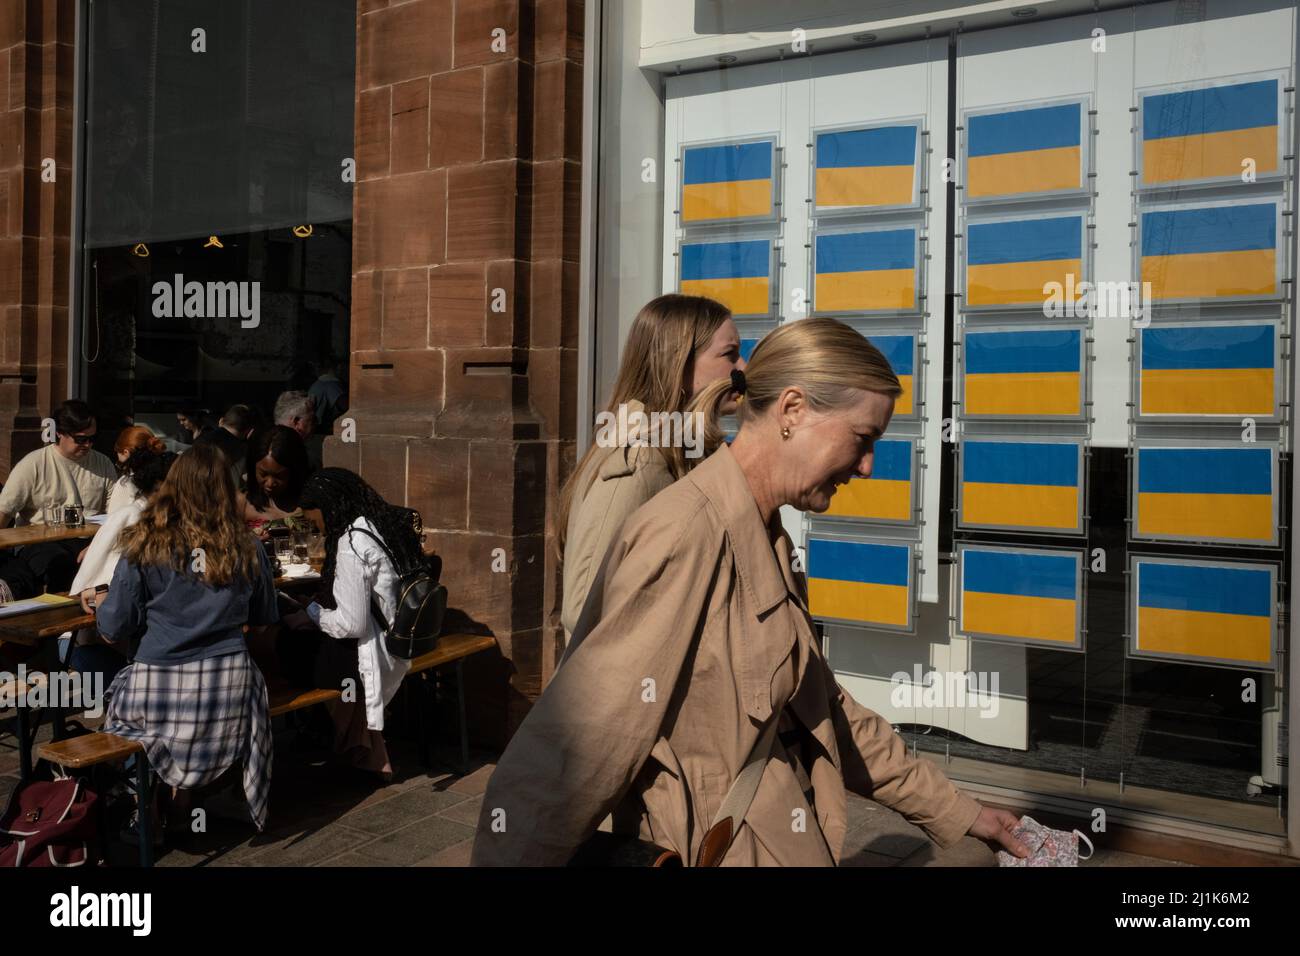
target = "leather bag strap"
x: 735, y: 805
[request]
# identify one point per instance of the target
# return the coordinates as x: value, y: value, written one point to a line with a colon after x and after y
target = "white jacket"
x: 102, y: 555
x: 361, y: 569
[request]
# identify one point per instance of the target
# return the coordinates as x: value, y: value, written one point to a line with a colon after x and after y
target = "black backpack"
x: 421, y: 604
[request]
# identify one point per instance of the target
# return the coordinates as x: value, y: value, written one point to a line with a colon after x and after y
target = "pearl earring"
x: 785, y: 431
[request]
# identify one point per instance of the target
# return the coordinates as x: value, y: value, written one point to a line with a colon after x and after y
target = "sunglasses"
x: 81, y: 439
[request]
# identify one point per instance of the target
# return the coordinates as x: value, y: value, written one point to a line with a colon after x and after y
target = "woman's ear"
x: 791, y: 407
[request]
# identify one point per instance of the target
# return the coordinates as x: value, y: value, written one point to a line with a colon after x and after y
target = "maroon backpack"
x: 50, y: 824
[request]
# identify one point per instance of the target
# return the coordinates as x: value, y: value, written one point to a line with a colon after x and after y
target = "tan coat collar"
x: 722, y: 482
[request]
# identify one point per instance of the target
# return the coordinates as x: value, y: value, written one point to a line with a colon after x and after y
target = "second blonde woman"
x: 678, y: 344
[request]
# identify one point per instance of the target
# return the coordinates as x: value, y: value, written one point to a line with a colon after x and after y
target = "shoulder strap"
x: 736, y: 804
x: 375, y: 611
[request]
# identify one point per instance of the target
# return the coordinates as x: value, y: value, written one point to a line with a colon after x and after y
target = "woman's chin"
x: 818, y: 502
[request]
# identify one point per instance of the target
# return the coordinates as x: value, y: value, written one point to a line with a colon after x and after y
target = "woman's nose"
x: 864, y: 466
x: 741, y: 363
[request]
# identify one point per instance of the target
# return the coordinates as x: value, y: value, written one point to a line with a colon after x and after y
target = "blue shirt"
x: 183, y: 617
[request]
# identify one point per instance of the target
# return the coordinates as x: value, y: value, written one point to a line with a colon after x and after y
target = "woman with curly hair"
x: 144, y: 466
x: 367, y: 543
x: 190, y: 577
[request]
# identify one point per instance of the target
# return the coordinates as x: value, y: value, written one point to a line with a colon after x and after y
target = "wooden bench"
x: 90, y: 750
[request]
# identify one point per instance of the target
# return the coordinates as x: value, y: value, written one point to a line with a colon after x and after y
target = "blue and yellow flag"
x: 1211, y: 252
x: 1206, y: 133
x: 866, y: 167
x: 1020, y: 484
x: 1008, y: 263
x: 1206, y: 493
x: 1208, y: 370
x: 1024, y: 151
x: 1217, y: 613
x: 887, y: 494
x: 737, y: 274
x: 1034, y: 372
x: 865, y: 271
x: 856, y: 581
x: 1026, y: 594
x: 900, y: 351
x: 732, y: 181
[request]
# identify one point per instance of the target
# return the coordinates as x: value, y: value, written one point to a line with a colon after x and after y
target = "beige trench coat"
x: 697, y: 634
x: 625, y: 479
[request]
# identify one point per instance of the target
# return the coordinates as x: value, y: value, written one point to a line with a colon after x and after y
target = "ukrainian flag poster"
x: 1025, y: 152
x: 1220, y: 251
x: 1208, y: 370
x: 736, y: 272
x: 1021, y: 596
x: 1222, y: 613
x: 868, y: 270
x: 866, y: 169
x: 1207, y: 132
x: 1026, y: 485
x: 1022, y: 373
x: 727, y: 182
x: 901, y: 351
x: 889, y: 494
x: 867, y: 583
x: 1012, y: 262
x: 1220, y: 492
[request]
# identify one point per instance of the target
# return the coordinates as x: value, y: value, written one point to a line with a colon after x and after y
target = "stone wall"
x: 36, y: 194
x: 464, y: 304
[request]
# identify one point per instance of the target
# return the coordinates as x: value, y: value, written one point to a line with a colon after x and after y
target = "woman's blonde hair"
x: 656, y: 370
x: 829, y: 360
x: 194, y: 507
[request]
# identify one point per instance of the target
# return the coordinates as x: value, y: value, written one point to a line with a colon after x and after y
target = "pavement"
x: 323, y: 814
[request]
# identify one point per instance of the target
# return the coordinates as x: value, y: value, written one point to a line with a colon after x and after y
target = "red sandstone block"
x: 374, y: 117
x: 410, y: 129
x: 458, y: 305
x: 501, y: 88
x: 507, y: 486
x: 457, y: 117
x: 406, y: 309
x: 507, y: 327
x: 404, y: 42
x: 401, y: 221
x: 438, y: 482
x: 476, y: 21
x: 481, y: 202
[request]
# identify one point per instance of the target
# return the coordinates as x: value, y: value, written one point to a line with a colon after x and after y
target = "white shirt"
x: 361, y: 569
x: 122, y: 494
x: 103, y: 554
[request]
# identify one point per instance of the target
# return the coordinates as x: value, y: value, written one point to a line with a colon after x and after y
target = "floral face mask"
x: 1047, y: 847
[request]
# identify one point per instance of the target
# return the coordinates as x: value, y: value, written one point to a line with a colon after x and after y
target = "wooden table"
x: 36, y: 626
x: 39, y: 534
x: 31, y: 629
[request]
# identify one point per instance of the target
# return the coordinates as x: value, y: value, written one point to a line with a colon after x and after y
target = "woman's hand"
x: 994, y: 827
x: 82, y: 556
x: 88, y: 600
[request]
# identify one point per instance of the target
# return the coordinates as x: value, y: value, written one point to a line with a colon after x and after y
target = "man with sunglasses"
x: 67, y: 471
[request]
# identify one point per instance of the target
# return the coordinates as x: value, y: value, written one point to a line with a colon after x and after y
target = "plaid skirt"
x: 196, y: 720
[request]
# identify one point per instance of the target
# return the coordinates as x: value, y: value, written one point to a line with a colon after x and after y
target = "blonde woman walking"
x: 678, y: 344
x: 696, y: 656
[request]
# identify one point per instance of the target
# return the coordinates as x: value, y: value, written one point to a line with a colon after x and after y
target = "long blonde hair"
x: 656, y: 370
x: 194, y: 507
x: 829, y: 360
